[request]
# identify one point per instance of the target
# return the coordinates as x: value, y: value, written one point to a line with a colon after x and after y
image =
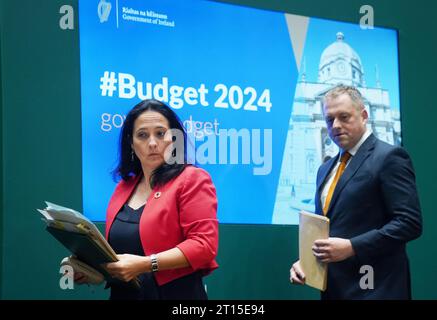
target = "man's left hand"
x: 333, y: 249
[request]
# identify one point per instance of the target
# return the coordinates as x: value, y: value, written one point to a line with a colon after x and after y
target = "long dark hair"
x: 127, y: 168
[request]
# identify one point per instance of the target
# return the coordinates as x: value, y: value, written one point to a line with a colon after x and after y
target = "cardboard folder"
x: 85, y: 248
x: 312, y: 227
x: 82, y: 238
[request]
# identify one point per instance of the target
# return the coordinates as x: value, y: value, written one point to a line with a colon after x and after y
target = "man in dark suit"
x: 368, y: 191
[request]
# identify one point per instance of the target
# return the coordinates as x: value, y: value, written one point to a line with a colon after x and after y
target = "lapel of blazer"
x: 119, y: 198
x: 324, y: 172
x: 355, y: 163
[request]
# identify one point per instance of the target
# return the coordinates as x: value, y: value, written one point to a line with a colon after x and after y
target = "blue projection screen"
x: 248, y: 86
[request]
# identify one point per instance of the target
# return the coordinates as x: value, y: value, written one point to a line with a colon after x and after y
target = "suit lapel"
x: 324, y: 172
x: 355, y: 163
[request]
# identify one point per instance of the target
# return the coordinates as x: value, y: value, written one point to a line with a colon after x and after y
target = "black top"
x: 124, y: 238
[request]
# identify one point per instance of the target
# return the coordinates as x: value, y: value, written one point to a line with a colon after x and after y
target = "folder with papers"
x: 81, y: 237
x: 93, y: 276
x: 312, y: 227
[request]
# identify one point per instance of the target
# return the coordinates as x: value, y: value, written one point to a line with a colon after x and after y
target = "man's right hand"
x: 296, y: 274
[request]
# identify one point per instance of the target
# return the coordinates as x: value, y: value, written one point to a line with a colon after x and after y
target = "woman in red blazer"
x: 161, y: 219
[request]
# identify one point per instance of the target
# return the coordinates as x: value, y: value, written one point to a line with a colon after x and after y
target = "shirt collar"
x: 355, y: 148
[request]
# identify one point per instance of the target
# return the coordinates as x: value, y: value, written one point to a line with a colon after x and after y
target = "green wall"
x: 1, y: 155
x: 41, y: 152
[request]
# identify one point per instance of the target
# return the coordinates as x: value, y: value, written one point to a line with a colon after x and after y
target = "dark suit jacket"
x: 376, y: 206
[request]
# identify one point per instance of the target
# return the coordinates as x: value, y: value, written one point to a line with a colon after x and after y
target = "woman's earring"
x: 132, y: 156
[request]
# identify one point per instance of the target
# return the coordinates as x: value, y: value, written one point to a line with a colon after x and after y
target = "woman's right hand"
x: 80, y: 278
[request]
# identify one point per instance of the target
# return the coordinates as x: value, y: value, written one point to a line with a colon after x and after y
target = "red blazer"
x: 182, y: 213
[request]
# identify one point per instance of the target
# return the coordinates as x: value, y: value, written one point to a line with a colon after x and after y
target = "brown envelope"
x: 312, y: 227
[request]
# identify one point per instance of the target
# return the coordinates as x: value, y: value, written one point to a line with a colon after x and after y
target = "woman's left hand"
x: 128, y: 267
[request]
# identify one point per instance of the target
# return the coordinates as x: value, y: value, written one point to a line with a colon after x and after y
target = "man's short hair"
x: 351, y: 91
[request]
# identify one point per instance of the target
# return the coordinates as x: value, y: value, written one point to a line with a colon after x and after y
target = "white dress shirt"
x: 330, y: 178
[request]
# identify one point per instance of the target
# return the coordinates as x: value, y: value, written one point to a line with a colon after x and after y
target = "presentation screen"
x: 247, y: 85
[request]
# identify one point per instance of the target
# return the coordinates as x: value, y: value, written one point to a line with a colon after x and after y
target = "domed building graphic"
x: 308, y: 144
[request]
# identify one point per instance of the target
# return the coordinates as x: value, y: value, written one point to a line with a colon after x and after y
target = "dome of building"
x: 339, y: 63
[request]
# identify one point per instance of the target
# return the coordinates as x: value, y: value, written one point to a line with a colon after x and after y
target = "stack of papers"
x: 79, y: 235
x: 70, y: 220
